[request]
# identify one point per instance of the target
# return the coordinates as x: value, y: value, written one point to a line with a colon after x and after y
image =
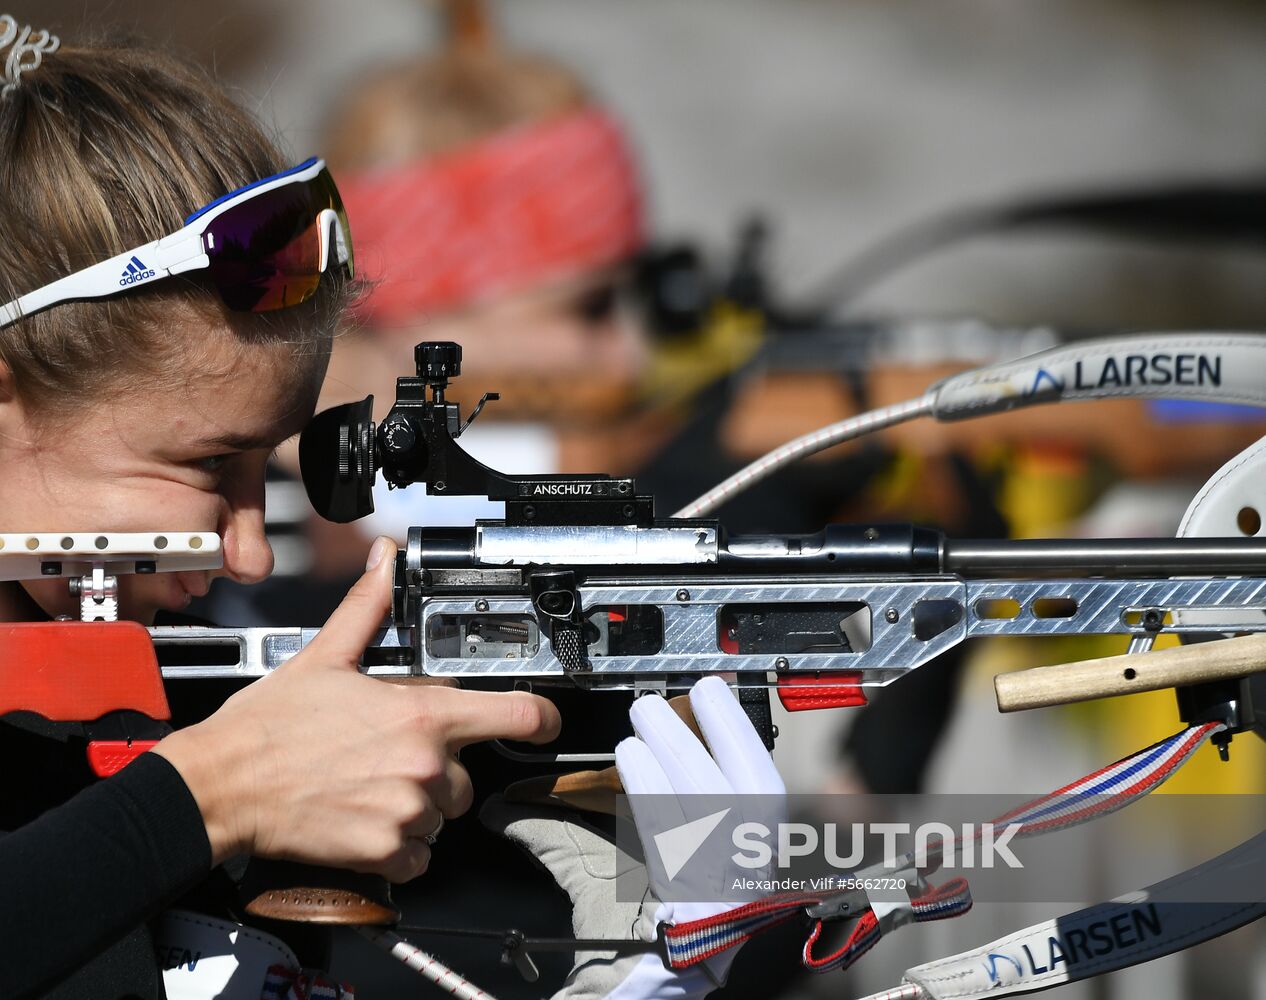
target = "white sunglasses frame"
x: 177, y: 253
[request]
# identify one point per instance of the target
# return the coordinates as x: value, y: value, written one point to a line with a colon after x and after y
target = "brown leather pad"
x: 285, y: 890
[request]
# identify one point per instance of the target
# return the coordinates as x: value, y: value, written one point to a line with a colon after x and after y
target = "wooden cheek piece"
x: 284, y: 890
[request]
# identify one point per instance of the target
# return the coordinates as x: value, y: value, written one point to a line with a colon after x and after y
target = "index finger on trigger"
x: 475, y: 716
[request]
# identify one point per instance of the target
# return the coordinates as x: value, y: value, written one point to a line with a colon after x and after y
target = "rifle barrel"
x: 1106, y: 556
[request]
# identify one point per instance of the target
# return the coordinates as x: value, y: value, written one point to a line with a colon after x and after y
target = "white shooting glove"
x: 671, y: 778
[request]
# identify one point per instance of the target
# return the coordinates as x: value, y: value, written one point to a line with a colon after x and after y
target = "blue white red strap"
x: 948, y: 900
x: 694, y: 941
x: 285, y: 983
x: 1110, y: 788
x: 863, y: 936
x: 1104, y: 791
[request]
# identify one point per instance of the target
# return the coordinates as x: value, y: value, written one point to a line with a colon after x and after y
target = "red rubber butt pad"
x: 79, y: 671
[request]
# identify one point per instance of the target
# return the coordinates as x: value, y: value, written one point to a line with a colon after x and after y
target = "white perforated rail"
x: 31, y: 555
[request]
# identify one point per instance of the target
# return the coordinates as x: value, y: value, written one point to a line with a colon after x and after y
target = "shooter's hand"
x: 319, y: 763
x: 672, y: 777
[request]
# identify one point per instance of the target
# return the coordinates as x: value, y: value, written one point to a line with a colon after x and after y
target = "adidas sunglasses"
x: 264, y: 247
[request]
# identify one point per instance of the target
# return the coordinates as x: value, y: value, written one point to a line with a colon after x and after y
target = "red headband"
x: 508, y: 212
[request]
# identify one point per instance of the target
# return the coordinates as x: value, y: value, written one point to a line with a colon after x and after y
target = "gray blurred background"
x: 843, y: 119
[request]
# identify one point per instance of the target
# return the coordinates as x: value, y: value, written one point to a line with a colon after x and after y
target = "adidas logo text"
x: 136, y: 271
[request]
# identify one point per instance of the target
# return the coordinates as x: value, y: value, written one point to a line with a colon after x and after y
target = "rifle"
x: 583, y: 585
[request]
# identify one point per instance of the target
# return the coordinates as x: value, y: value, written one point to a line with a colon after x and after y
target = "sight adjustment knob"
x: 398, y: 437
x: 438, y: 360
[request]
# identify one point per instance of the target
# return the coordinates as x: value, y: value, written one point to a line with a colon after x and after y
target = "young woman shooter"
x: 174, y: 285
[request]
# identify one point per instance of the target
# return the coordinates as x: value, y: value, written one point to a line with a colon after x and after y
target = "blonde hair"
x: 102, y: 149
